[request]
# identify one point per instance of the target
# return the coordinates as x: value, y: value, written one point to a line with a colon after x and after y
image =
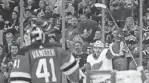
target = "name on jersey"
x: 43, y: 53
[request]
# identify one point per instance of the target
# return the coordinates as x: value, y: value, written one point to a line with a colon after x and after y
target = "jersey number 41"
x: 42, y: 65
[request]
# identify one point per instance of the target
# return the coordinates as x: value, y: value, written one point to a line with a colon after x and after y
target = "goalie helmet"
x: 98, y: 44
x: 34, y: 35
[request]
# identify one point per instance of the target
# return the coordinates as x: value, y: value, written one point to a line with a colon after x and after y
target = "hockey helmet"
x: 34, y: 35
x: 98, y: 44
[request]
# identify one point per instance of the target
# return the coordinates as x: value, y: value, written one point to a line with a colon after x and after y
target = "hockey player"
x: 98, y: 60
x: 43, y: 63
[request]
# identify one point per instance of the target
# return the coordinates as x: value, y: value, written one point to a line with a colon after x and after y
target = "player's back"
x: 45, y: 65
x: 42, y: 64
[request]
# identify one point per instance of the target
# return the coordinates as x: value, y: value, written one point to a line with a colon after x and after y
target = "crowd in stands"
x: 83, y: 27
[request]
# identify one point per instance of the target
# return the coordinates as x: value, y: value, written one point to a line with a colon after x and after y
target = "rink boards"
x: 130, y: 76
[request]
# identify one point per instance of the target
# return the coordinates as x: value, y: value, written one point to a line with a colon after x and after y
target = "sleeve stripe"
x: 16, y: 79
x: 71, y: 66
x: 19, y: 82
x: 71, y: 69
x: 20, y: 74
x: 71, y: 61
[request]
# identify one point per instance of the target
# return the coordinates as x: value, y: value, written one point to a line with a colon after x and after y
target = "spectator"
x: 58, y: 7
x: 13, y: 24
x: 9, y: 39
x: 52, y: 38
x: 130, y: 3
x: 14, y: 50
x: 72, y: 30
x: 68, y: 18
x: 69, y: 45
x: 69, y: 8
x: 48, y: 13
x: 98, y: 36
x: 40, y: 12
x: 3, y: 78
x: 116, y: 5
x: 117, y: 49
x: 89, y: 49
x: 5, y: 9
x: 80, y: 56
x: 30, y: 5
x: 129, y: 24
x: 8, y: 61
x: 110, y: 26
x: 28, y: 19
x: 87, y: 28
x: 3, y: 58
x: 109, y: 29
x: 129, y: 30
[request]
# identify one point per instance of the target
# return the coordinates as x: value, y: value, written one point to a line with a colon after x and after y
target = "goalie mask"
x: 35, y: 35
x: 98, y: 47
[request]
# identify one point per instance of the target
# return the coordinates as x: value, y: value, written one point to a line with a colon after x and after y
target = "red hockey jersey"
x: 42, y: 65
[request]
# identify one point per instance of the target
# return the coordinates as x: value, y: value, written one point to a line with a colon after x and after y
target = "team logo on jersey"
x: 97, y: 66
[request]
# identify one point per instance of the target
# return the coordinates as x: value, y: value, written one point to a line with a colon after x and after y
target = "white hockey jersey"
x: 102, y: 63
